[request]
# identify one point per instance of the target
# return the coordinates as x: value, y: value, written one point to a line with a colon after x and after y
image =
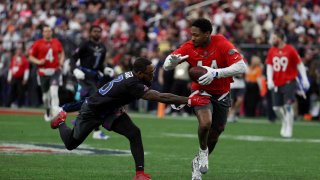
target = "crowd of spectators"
x: 152, y: 28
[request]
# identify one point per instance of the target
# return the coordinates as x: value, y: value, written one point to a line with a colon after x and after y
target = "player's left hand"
x: 208, y: 77
x: 198, y: 100
x: 305, y: 84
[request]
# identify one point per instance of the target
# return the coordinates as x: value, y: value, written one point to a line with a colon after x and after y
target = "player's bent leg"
x: 123, y: 125
x: 66, y: 135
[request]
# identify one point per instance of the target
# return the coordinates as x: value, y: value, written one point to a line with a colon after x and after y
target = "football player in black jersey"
x: 88, y: 64
x: 105, y: 107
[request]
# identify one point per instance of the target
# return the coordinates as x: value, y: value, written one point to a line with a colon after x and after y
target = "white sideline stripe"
x: 240, y: 121
x: 249, y: 138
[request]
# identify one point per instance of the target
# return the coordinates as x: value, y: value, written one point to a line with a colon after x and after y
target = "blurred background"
x: 152, y: 29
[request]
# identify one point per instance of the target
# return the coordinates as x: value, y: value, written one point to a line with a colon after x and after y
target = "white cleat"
x: 99, y: 135
x: 203, y: 161
x: 47, y: 118
x: 196, y: 174
x: 283, y: 128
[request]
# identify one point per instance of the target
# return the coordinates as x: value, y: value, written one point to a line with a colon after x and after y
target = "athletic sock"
x: 203, y: 151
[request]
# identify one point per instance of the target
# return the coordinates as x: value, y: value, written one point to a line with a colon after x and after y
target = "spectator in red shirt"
x: 18, y: 77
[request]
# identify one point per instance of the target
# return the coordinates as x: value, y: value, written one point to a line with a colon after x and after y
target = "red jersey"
x: 220, y: 53
x: 18, y: 65
x: 284, y: 64
x: 47, y: 51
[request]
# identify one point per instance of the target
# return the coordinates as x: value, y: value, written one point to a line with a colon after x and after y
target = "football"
x: 196, y: 72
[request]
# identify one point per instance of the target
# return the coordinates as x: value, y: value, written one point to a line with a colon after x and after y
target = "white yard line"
x: 249, y: 138
x: 241, y: 120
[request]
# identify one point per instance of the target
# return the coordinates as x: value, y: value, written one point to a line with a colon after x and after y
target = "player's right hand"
x: 270, y: 85
x: 198, y: 100
x: 78, y: 74
x: 177, y: 58
x: 41, y: 61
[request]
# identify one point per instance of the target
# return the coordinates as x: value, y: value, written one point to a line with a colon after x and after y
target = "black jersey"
x: 122, y: 90
x: 91, y: 55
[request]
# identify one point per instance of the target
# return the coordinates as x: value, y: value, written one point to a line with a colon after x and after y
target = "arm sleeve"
x: 233, y: 70
x: 269, y: 73
x: 302, y: 71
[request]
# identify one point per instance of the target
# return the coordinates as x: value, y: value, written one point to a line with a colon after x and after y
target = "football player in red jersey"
x: 222, y: 61
x: 283, y: 65
x: 47, y: 53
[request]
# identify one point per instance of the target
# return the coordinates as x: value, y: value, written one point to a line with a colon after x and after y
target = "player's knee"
x: 72, y: 144
x: 45, y: 96
x: 205, y: 125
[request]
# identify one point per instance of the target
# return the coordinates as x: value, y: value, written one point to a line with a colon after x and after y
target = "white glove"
x: 78, y: 74
x: 208, y: 77
x: 270, y: 84
x: 108, y: 71
x: 305, y: 83
x: 175, y: 59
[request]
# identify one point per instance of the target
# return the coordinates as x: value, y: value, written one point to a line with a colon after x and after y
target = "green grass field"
x: 249, y: 149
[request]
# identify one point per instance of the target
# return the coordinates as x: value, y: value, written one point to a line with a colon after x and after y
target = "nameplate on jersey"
x: 128, y: 75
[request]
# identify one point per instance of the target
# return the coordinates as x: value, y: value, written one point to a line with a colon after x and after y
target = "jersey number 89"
x: 280, y: 63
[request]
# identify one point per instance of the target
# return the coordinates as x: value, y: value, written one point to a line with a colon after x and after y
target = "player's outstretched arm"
x: 168, y: 98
